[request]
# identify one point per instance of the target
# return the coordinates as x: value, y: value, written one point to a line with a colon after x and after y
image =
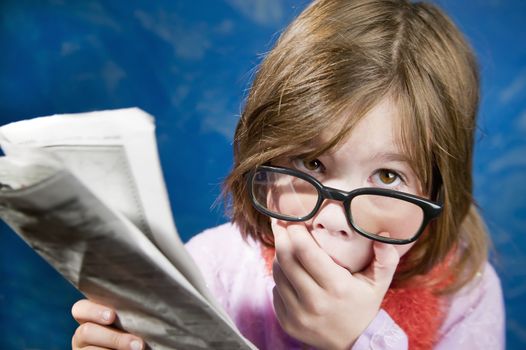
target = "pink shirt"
x: 236, y: 274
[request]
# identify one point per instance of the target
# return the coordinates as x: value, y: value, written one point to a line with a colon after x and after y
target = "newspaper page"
x: 114, y: 154
x: 111, y: 255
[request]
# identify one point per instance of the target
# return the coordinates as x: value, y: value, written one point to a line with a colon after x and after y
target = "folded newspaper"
x: 86, y: 192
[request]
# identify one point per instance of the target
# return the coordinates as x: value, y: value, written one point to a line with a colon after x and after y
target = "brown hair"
x: 342, y: 57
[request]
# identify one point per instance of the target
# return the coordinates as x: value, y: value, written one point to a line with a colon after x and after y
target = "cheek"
x: 292, y: 198
x: 403, y: 249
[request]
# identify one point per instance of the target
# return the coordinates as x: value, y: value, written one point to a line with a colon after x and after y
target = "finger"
x: 287, y: 292
x: 87, y: 311
x: 289, y: 264
x: 279, y: 306
x: 92, y: 334
x: 318, y: 264
x: 383, y: 266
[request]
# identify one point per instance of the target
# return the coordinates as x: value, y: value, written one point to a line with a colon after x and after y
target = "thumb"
x: 381, y: 270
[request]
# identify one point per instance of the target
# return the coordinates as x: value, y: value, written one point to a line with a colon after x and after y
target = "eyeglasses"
x: 291, y: 195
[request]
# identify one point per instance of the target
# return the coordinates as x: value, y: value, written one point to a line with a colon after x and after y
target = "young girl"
x: 353, y: 222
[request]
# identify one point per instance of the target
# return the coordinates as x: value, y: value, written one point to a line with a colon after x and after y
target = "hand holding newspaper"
x: 86, y: 192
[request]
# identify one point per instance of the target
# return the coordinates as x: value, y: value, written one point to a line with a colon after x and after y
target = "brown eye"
x: 312, y: 165
x: 307, y: 165
x: 387, y: 177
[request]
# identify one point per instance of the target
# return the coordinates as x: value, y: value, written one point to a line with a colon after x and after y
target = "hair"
x: 333, y: 64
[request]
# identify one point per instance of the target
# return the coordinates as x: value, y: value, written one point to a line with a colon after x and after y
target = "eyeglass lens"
x: 294, y: 198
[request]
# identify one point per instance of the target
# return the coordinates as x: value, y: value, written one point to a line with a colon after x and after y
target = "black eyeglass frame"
x: 430, y: 209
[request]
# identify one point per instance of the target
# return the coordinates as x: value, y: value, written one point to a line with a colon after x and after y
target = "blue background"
x: 189, y: 63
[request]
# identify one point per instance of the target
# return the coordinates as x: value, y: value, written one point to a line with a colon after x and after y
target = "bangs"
x: 414, y: 133
x: 346, y: 114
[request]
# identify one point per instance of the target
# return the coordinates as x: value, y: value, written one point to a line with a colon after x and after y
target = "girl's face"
x: 369, y: 157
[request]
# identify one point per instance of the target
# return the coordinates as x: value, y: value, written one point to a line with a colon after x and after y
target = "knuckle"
x: 339, y: 290
x: 123, y: 340
x: 296, y: 324
x: 318, y: 307
x: 303, y: 323
x: 117, y: 341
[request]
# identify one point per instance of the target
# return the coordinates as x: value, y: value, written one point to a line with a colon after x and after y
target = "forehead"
x: 375, y: 132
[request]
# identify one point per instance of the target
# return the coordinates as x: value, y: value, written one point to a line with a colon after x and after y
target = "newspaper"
x: 86, y: 192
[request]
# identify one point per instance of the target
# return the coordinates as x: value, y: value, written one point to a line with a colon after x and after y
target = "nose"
x: 331, y: 219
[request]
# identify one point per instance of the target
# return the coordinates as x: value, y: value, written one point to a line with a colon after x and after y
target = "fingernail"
x: 106, y: 315
x: 135, y: 345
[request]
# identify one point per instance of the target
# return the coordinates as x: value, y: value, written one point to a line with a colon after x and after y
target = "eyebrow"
x: 391, y: 156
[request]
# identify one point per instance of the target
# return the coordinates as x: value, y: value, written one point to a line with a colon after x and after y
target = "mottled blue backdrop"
x: 189, y: 64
